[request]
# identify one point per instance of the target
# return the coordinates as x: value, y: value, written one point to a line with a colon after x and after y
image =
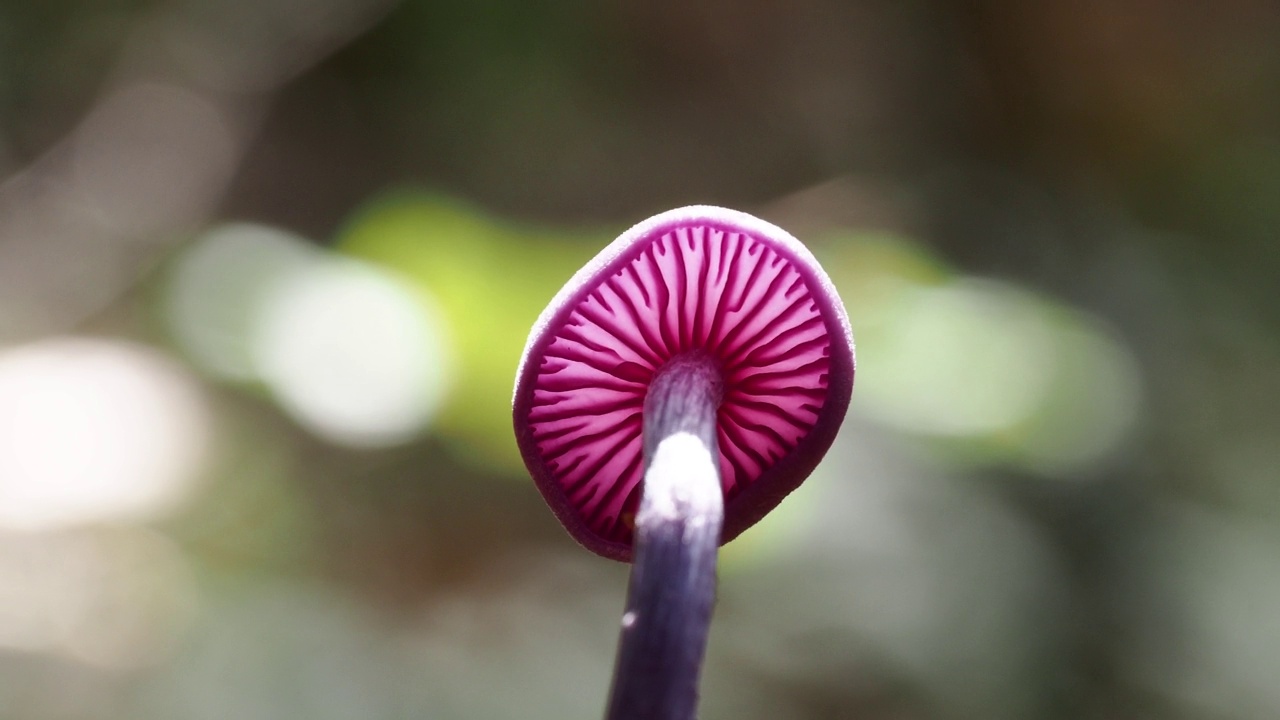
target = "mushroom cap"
x: 693, y: 279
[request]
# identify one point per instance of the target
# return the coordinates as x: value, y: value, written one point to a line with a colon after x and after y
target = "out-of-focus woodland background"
x: 266, y: 267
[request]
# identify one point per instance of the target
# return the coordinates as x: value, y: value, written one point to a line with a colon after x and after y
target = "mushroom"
x: 679, y: 386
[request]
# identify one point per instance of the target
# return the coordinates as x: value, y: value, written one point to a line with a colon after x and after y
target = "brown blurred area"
x: 266, y: 268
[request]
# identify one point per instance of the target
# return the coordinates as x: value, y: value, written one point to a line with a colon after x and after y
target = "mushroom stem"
x: 673, y: 574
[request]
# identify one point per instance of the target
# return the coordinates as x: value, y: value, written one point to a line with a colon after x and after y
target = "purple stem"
x: 673, y: 573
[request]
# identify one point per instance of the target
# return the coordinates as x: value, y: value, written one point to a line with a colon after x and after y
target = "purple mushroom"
x: 674, y: 392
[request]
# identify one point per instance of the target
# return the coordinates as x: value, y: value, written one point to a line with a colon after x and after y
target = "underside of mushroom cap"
x: 693, y: 280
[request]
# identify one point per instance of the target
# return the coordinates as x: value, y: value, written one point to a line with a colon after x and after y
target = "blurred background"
x: 266, y: 268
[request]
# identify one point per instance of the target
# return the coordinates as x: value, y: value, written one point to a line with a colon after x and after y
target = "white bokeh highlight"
x: 96, y: 431
x: 218, y: 286
x: 352, y: 353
